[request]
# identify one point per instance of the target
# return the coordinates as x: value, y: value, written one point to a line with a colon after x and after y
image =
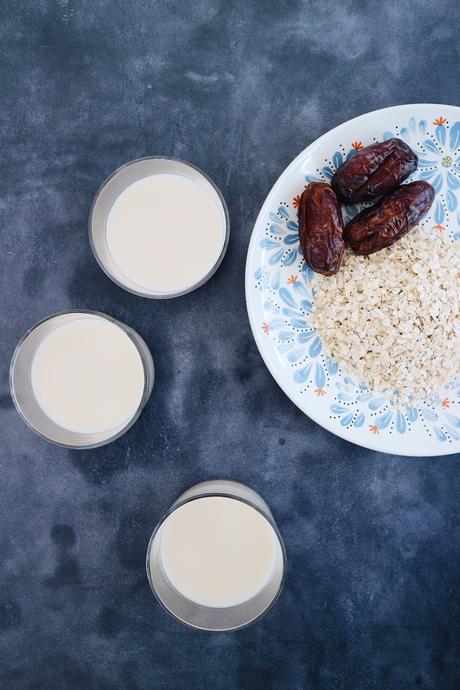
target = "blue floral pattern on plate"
x: 439, y: 162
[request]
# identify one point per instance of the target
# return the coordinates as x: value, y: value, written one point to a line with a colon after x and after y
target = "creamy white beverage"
x: 217, y: 551
x: 165, y: 232
x: 87, y: 376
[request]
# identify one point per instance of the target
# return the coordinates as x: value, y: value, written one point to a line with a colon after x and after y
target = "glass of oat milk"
x: 216, y: 561
x: 159, y: 227
x: 81, y: 378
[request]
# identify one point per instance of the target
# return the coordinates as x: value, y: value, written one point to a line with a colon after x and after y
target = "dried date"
x: 390, y: 218
x: 373, y: 171
x: 321, y: 228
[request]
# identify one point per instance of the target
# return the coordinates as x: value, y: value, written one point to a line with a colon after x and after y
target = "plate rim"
x: 324, y: 423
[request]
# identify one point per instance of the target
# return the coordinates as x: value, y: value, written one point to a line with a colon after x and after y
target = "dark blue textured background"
x: 371, y: 598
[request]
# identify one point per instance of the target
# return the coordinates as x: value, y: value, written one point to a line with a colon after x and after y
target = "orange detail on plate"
x: 296, y: 201
x: 445, y: 403
x: 320, y: 392
x: 440, y: 121
x: 265, y: 328
x: 292, y: 279
x: 357, y: 145
x: 373, y: 429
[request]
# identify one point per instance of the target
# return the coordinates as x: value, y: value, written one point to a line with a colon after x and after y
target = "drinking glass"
x: 212, y: 618
x: 26, y: 402
x: 111, y: 189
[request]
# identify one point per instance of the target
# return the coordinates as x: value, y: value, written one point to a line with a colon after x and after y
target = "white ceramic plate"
x: 279, y: 298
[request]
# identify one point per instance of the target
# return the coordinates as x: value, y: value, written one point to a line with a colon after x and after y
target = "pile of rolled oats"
x: 392, y: 319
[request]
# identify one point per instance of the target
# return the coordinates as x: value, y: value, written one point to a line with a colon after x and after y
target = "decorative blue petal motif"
x: 320, y: 376
x: 288, y: 311
x: 290, y: 257
x: 423, y: 163
x: 275, y: 281
x: 437, y: 183
x: 451, y: 201
x: 295, y: 355
x: 332, y: 367
x: 454, y: 136
x: 275, y: 257
x: 269, y: 306
x: 453, y: 181
x: 266, y: 243
x: 440, y: 435
x: 439, y: 214
x: 285, y: 335
x: 400, y: 423
x: 359, y: 421
x: 315, y: 347
x: 307, y: 272
x: 291, y: 225
x: 298, y: 286
x: 337, y: 159
x: 428, y: 414
x: 412, y: 414
x: 452, y: 433
x: 345, y: 421
x: 375, y: 403
x: 431, y: 146
x: 301, y: 375
x: 338, y: 409
x: 291, y: 239
x: 274, y: 324
x: 298, y: 323
x: 286, y: 297
x: 383, y: 421
x: 441, y: 134
x: 306, y: 336
x: 364, y: 397
x: 307, y: 306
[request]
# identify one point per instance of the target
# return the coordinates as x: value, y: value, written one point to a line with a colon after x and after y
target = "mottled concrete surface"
x: 371, y: 598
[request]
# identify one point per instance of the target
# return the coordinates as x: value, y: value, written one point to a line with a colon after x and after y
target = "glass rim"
x: 217, y: 494
x: 140, y: 292
x: 120, y: 432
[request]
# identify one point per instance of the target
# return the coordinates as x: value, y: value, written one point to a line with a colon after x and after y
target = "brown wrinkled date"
x: 390, y: 218
x: 373, y: 171
x: 321, y: 228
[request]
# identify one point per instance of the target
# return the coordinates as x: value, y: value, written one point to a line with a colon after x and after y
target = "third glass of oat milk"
x: 216, y: 561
